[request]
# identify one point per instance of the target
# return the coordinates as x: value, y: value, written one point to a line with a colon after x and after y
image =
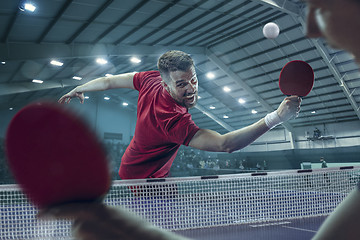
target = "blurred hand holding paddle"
x: 55, y: 157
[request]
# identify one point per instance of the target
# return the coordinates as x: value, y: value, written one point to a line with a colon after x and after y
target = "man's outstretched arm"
x: 124, y: 80
x: 209, y: 140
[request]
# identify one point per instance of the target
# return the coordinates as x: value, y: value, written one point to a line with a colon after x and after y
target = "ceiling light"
x: 26, y: 5
x: 125, y: 104
x: 56, y: 63
x: 135, y: 60
x: 106, y: 98
x: 242, y: 101
x: 3, y: 63
x: 11, y: 109
x: 199, y: 97
x: 30, y: 7
x: 37, y: 81
x: 210, y: 75
x: 226, y: 116
x: 86, y: 97
x: 313, y: 112
x: 77, y: 78
x: 101, y: 61
x: 253, y: 111
x: 212, y: 107
x: 226, y: 89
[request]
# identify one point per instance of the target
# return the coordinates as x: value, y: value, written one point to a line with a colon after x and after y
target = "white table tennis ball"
x: 271, y: 30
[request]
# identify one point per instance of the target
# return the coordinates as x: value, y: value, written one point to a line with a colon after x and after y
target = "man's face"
x: 336, y: 20
x: 183, y: 87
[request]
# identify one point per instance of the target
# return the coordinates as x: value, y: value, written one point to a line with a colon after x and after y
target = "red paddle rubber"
x: 54, y: 157
x: 296, y: 78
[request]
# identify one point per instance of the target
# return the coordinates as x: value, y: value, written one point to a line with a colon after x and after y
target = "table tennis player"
x: 163, y: 121
x: 338, y: 21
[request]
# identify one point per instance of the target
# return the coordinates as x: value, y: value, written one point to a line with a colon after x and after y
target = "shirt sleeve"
x: 181, y: 129
x: 137, y: 80
x: 142, y: 78
x: 193, y: 128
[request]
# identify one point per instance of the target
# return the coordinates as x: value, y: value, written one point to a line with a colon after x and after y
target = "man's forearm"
x: 209, y: 140
x: 241, y: 138
x: 124, y: 80
x: 98, y: 84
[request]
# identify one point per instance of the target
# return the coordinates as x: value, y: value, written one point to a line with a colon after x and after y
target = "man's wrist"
x: 272, y: 119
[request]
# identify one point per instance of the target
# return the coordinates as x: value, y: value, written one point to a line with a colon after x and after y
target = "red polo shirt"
x: 162, y: 126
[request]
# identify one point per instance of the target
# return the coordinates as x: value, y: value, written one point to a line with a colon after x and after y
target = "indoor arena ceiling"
x: 224, y: 37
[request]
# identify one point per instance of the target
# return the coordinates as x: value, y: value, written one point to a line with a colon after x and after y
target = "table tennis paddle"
x: 55, y: 157
x: 296, y: 78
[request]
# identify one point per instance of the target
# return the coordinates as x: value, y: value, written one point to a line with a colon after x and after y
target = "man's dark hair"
x: 172, y: 61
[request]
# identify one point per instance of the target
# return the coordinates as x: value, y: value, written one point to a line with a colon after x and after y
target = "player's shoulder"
x: 147, y: 74
x: 142, y: 79
x: 151, y: 77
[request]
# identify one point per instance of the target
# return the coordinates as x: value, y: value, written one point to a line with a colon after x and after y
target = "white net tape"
x: 198, y: 202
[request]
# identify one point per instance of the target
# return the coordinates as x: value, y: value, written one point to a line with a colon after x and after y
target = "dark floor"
x: 294, y: 229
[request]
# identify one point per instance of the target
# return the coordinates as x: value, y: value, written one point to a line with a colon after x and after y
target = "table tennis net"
x: 198, y: 202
